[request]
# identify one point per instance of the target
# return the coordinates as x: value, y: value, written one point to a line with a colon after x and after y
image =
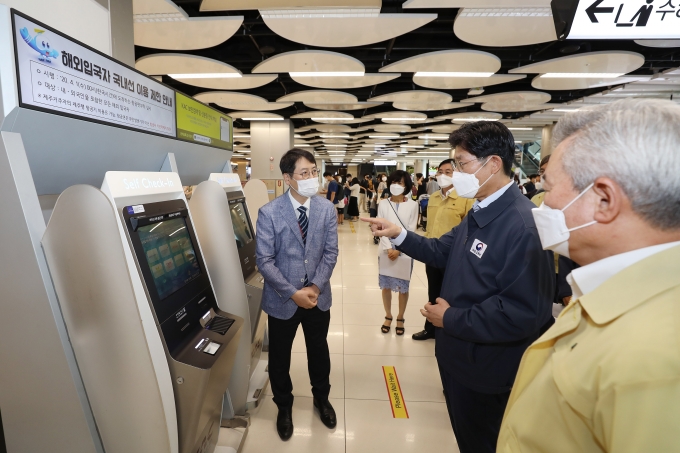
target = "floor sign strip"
x: 394, y: 392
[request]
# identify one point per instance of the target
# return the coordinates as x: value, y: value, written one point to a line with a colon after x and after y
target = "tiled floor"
x: 358, y: 352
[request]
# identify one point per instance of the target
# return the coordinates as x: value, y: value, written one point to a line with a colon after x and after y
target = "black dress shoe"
x: 326, y: 413
x: 422, y: 335
x: 284, y: 423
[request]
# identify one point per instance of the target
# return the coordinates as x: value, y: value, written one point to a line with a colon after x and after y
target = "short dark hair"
x: 419, y: 175
x: 401, y: 176
x: 290, y: 159
x: 486, y: 138
x: 446, y: 161
x: 544, y: 161
x: 327, y: 174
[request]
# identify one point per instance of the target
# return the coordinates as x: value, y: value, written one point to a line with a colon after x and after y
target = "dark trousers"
x: 435, y: 278
x: 475, y: 417
x: 281, y: 335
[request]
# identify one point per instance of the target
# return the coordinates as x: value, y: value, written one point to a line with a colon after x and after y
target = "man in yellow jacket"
x: 606, y: 376
x: 445, y: 210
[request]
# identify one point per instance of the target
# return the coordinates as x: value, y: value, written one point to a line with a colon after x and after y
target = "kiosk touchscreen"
x: 200, y: 339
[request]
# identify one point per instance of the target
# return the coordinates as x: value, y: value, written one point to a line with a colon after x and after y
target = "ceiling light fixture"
x: 331, y: 119
x: 242, y: 136
x: 452, y: 74
x: 335, y: 146
x: 582, y: 75
x: 469, y: 120
x: 433, y: 137
x: 521, y: 128
x: 507, y: 12
x: 383, y: 136
x: 327, y: 74
x: 566, y: 110
x: 207, y: 75
x: 262, y: 119
x: 403, y: 119
x: 301, y: 145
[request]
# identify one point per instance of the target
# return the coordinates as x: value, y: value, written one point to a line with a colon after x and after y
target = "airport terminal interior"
x: 141, y: 141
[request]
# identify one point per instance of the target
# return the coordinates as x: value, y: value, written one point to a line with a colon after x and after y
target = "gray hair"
x: 635, y: 142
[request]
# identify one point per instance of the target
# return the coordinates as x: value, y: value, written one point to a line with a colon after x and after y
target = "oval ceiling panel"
x: 177, y: 63
x: 468, y: 117
x: 309, y: 61
x: 245, y: 82
x: 346, y: 31
x: 255, y: 116
x: 516, y: 106
x: 319, y: 97
x: 459, y: 83
x: 496, y: 29
x: 660, y: 43
x: 618, y: 62
x: 191, y: 34
x: 556, y: 84
x: 356, y: 106
x: 240, y: 101
x: 527, y: 97
x: 318, y: 115
x: 391, y: 128
x: 366, y: 80
x: 424, y: 107
x: 454, y: 60
x: 420, y: 96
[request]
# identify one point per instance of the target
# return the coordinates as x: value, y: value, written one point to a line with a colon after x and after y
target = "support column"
x: 419, y: 166
x: 546, y: 140
x: 269, y: 140
x: 122, y: 31
x: 401, y: 166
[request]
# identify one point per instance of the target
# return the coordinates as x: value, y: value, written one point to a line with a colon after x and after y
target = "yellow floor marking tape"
x: 351, y: 227
x: 394, y: 392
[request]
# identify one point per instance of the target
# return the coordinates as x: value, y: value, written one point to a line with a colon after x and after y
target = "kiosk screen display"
x: 170, y: 255
x: 242, y: 230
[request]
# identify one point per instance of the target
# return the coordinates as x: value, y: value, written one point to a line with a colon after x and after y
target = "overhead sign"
x: 199, y: 123
x: 60, y: 75
x: 626, y: 19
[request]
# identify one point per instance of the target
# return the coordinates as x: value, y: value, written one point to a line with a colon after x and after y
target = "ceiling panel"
x: 426, y: 107
x: 454, y: 60
x: 355, y: 106
x: 240, y: 101
x: 555, y: 84
x: 186, y: 34
x: 245, y: 82
x: 235, y: 5
x: 255, y: 116
x: 345, y: 82
x: 177, y: 63
x: 527, y: 97
x: 498, y: 28
x: 592, y: 62
x: 347, y: 31
x: 496, y: 4
x: 319, y: 97
x: 416, y: 96
x: 309, y: 61
x: 457, y: 83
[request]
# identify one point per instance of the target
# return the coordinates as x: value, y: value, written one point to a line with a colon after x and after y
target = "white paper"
x: 399, y: 268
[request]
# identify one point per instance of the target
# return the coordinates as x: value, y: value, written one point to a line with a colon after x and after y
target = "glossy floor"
x: 358, y: 352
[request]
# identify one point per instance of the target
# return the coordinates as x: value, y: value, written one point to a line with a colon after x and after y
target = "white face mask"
x: 339, y: 180
x: 444, y: 180
x: 552, y: 226
x: 384, y: 178
x: 467, y: 184
x: 396, y: 189
x: 307, y: 187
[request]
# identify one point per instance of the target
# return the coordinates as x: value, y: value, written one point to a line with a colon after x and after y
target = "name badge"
x: 478, y: 248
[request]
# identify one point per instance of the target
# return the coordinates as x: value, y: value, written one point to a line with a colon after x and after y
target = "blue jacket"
x: 500, y: 285
x: 283, y: 260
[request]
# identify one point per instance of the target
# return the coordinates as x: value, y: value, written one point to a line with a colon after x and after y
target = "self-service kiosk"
x: 222, y: 219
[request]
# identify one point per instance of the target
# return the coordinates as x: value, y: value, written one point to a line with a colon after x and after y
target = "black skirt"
x: 353, y: 208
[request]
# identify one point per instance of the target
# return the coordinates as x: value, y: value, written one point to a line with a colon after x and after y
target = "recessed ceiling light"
x: 262, y: 119
x: 331, y: 119
x: 412, y: 146
x: 207, y: 75
x: 566, y: 110
x: 383, y: 136
x: 537, y: 11
x: 453, y: 74
x: 335, y: 146
x: 242, y: 136
x: 521, y: 128
x: 327, y: 74
x: 403, y: 119
x: 474, y: 119
x: 301, y: 145
x: 433, y: 137
x: 581, y: 75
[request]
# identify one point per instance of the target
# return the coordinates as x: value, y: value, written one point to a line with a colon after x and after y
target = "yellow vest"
x: 443, y: 214
x: 538, y: 199
x: 606, y: 376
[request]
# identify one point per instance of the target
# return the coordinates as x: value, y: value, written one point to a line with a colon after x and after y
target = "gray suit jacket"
x: 283, y: 259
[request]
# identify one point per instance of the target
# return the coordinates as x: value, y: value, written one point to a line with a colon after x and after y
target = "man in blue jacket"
x: 297, y: 249
x: 498, y: 287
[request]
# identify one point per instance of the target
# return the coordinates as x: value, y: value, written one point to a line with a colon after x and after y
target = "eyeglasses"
x: 306, y: 174
x: 540, y: 172
x: 460, y: 165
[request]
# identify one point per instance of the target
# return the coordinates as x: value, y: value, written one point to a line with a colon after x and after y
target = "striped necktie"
x: 304, y: 225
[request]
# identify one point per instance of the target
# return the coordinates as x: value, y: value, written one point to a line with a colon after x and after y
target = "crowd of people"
x: 591, y: 232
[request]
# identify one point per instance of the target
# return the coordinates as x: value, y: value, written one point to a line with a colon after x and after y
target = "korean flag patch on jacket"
x: 478, y: 248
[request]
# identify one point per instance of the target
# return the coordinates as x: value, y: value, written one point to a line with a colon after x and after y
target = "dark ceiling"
x: 255, y: 42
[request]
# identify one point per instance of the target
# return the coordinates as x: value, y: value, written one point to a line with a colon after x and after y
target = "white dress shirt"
x: 586, y: 279
x: 297, y: 204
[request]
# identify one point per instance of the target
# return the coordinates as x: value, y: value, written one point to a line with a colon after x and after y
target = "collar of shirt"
x: 491, y: 198
x: 448, y: 192
x: 296, y: 204
x: 588, y: 278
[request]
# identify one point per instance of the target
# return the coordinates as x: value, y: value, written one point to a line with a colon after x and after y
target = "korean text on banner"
x: 199, y: 123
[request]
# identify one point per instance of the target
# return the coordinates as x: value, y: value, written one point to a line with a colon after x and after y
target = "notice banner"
x: 59, y: 75
x: 199, y: 123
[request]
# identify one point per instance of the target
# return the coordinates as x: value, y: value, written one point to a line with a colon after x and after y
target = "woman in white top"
x: 353, y: 208
x: 395, y: 268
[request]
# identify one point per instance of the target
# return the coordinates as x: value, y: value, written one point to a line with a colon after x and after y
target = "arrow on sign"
x: 593, y: 9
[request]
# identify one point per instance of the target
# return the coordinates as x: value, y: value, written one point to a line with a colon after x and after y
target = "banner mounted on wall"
x: 199, y: 123
x: 60, y: 75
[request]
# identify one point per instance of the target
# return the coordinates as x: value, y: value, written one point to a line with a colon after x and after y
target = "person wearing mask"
x: 394, y: 267
x: 498, y: 287
x: 421, y: 185
x: 331, y: 189
x: 353, y: 209
x: 382, y: 185
x: 540, y: 193
x: 347, y: 195
x: 606, y: 376
x: 340, y: 196
x: 445, y: 211
x: 369, y: 191
x: 363, y: 182
x: 530, y: 186
x: 297, y: 249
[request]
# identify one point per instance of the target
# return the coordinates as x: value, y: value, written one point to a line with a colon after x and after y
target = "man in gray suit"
x: 297, y: 249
